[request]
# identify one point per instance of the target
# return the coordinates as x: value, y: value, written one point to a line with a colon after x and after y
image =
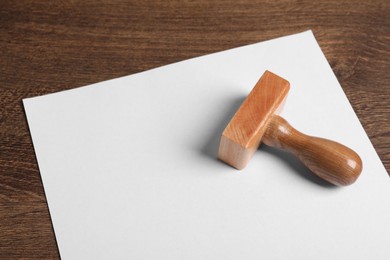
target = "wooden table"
x: 48, y: 46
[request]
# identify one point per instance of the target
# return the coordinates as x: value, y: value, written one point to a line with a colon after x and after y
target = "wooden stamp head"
x: 257, y: 121
x: 242, y: 136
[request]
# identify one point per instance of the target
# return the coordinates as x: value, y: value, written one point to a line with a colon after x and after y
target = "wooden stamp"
x: 257, y: 121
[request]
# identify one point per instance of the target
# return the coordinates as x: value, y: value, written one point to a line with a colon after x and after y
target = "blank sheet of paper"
x: 130, y: 171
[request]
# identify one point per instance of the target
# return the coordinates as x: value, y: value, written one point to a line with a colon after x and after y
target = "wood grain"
x: 257, y: 121
x: 329, y: 160
x: 48, y: 46
x: 242, y: 136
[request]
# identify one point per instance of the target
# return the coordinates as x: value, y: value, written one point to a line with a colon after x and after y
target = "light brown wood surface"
x: 257, y: 121
x: 242, y: 136
x: 49, y: 46
x: 329, y: 160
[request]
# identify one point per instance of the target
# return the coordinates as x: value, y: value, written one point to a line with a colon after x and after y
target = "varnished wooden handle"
x: 329, y: 160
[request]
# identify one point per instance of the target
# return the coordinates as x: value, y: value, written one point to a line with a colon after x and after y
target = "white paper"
x: 130, y: 171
